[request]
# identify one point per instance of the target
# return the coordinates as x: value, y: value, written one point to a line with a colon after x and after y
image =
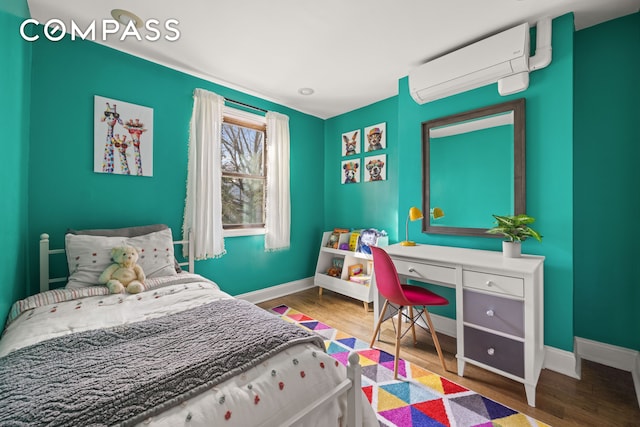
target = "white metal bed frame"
x: 352, y: 385
x: 46, y: 252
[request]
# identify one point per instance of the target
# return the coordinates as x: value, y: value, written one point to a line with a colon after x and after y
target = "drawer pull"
x: 412, y: 270
x: 491, y: 351
x: 490, y: 313
x: 489, y: 283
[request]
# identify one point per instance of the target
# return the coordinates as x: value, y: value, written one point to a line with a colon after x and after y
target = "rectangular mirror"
x: 473, y: 167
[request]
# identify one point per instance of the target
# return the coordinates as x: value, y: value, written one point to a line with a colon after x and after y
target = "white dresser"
x: 499, y: 306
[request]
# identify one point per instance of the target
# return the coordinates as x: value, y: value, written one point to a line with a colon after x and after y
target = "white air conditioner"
x: 479, y: 64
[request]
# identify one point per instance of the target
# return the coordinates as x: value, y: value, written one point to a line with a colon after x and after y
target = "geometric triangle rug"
x: 420, y: 397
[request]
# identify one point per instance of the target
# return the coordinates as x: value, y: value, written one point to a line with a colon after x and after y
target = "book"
x: 355, y: 269
x: 353, y: 241
x: 341, y: 230
x: 362, y: 279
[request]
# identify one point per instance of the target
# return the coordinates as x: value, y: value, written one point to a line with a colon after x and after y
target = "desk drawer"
x: 493, y: 283
x: 426, y: 272
x: 493, y: 350
x: 499, y: 314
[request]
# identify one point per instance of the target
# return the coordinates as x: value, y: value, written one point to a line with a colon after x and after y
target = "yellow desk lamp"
x: 414, y: 214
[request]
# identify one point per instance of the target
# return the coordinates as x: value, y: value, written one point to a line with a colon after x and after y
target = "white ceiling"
x: 351, y: 52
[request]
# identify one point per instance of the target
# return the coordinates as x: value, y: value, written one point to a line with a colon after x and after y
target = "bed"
x: 181, y: 353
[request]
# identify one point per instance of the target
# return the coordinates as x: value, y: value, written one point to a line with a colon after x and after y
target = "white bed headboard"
x: 46, y: 252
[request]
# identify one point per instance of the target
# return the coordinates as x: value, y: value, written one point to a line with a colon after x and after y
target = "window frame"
x: 254, y: 121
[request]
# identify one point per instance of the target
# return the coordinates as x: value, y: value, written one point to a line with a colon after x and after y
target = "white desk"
x: 499, y: 306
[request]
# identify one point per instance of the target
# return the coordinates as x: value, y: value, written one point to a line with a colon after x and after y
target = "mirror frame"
x: 518, y: 108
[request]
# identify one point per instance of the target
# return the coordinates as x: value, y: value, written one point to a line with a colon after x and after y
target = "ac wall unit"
x: 484, y: 62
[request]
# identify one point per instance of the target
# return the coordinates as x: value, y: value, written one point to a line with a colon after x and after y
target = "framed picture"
x: 122, y: 137
x: 351, y: 143
x: 350, y: 171
x: 375, y: 168
x: 376, y: 137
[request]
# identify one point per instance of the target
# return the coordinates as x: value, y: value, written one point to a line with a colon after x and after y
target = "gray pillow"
x: 136, y: 231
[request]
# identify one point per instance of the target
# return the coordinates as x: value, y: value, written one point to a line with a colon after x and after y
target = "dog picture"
x: 375, y: 168
x: 350, y: 173
x: 375, y: 137
x: 351, y: 142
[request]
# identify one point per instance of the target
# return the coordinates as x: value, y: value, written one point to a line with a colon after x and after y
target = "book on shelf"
x: 355, y: 269
x: 353, y: 240
x: 341, y: 230
x: 363, y: 279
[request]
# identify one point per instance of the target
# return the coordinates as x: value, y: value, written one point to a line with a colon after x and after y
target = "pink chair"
x: 401, y: 295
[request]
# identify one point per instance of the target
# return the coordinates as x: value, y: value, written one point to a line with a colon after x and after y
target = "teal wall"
x: 549, y: 139
x: 365, y: 204
x: 65, y: 192
x: 14, y: 139
x: 607, y: 154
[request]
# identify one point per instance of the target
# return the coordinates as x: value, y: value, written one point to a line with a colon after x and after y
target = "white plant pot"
x: 511, y: 249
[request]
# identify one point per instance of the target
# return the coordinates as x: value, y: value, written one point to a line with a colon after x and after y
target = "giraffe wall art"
x: 119, y: 144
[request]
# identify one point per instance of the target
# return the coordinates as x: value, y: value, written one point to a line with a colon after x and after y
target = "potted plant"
x: 515, y: 229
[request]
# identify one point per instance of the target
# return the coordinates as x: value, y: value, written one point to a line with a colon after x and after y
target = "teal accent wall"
x: 549, y: 171
x: 549, y: 145
x: 607, y: 202
x: 365, y: 204
x: 66, y: 193
x: 14, y: 140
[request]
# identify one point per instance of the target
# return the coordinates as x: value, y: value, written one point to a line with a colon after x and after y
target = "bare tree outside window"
x: 243, y: 174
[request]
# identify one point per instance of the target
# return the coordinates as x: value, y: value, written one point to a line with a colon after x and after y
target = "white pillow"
x: 88, y: 256
x: 156, y: 253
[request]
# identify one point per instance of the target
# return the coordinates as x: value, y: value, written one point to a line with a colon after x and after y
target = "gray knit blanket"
x: 123, y: 375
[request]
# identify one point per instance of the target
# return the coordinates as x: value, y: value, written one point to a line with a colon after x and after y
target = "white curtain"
x: 278, y: 210
x: 203, y: 207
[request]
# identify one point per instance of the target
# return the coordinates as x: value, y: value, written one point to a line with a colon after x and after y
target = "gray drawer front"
x: 500, y: 314
x: 508, y: 355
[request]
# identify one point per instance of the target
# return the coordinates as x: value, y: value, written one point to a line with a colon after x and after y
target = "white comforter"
x: 250, y: 399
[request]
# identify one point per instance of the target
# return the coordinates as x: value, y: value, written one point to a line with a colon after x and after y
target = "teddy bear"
x: 124, y: 273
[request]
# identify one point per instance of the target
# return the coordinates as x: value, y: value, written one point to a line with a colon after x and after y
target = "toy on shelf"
x: 333, y: 240
x: 336, y: 267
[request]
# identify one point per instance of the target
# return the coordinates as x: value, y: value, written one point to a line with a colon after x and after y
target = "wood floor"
x: 603, y: 397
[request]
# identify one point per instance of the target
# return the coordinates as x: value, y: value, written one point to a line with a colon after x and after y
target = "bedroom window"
x: 243, y: 161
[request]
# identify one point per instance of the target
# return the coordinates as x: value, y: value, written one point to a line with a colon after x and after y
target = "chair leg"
x: 413, y: 326
x: 398, y: 335
x: 435, y: 338
x: 375, y: 332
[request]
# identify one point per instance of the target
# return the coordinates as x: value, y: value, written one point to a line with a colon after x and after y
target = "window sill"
x: 237, y: 232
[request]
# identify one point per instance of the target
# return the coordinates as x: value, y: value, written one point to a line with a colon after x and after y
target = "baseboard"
x: 607, y: 354
x: 561, y: 361
x: 613, y: 356
x: 277, y: 291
